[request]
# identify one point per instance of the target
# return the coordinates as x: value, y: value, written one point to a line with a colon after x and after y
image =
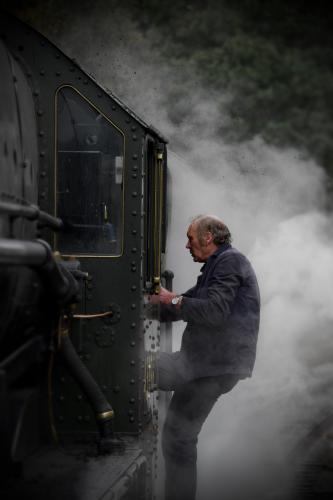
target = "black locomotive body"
x: 82, y: 235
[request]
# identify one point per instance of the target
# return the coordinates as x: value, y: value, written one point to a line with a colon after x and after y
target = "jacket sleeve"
x: 172, y: 313
x: 223, y: 285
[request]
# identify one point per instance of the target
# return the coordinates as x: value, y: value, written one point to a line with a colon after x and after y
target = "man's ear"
x: 209, y: 238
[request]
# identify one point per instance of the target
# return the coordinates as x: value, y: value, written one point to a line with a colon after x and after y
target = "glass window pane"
x: 90, y: 158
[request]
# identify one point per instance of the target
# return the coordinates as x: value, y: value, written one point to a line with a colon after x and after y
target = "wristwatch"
x: 176, y: 300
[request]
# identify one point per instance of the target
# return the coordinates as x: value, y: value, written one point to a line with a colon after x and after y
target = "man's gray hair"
x: 214, y: 225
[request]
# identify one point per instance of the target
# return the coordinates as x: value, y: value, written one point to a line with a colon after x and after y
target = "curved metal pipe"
x: 102, y: 409
x: 22, y: 253
x: 38, y: 254
x: 30, y: 212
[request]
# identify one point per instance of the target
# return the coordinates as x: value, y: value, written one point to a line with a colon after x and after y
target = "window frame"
x: 98, y: 110
x: 154, y: 209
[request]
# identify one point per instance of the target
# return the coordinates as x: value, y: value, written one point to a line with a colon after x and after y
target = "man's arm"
x: 168, y: 311
x: 221, y: 293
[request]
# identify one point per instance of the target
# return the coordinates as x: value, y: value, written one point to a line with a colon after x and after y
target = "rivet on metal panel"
x: 135, y: 157
x: 41, y: 133
x: 132, y: 401
x: 79, y: 397
x: 135, y: 167
x: 40, y: 112
x: 36, y: 93
x: 134, y: 213
x: 79, y: 418
x: 132, y: 343
x: 42, y: 72
x: 133, y: 325
x: 134, y: 194
x: 133, y: 306
x: 134, y: 232
x: 132, y: 419
x: 61, y: 418
x: 133, y: 269
x: 57, y: 56
x: 134, y: 250
x: 128, y: 120
x: 134, y: 176
x: 132, y: 363
x: 134, y: 137
x: 58, y: 73
x: 133, y: 288
x: 133, y: 128
x: 42, y: 154
x: 116, y: 389
x: 43, y: 195
x: 113, y: 108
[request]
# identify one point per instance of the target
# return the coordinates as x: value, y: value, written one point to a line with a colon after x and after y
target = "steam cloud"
x: 273, y: 202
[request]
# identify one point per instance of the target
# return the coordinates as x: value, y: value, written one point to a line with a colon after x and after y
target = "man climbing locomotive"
x: 218, y: 346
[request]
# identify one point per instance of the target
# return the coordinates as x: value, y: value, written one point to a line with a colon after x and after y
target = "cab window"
x: 89, y: 178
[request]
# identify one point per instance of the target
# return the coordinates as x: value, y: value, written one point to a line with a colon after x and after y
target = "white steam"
x: 273, y: 203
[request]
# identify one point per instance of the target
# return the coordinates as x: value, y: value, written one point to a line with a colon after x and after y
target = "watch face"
x: 175, y: 301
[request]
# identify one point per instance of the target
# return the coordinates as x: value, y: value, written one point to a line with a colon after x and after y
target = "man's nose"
x: 187, y: 245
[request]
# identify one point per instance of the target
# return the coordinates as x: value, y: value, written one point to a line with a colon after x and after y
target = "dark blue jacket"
x: 222, y: 313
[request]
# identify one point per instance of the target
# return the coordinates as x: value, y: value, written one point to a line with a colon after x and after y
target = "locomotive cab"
x: 99, y: 178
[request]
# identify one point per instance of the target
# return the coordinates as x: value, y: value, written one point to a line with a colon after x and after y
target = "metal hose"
x: 101, y: 407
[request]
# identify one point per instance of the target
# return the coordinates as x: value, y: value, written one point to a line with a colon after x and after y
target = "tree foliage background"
x: 273, y: 59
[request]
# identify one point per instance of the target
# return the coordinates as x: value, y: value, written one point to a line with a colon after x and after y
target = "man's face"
x: 197, y: 249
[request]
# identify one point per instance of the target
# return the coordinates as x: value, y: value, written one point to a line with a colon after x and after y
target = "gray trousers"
x: 190, y: 405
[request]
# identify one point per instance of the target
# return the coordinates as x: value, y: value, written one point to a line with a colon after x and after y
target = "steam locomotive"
x: 82, y: 238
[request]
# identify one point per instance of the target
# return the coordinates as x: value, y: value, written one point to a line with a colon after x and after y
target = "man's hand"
x: 164, y: 297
